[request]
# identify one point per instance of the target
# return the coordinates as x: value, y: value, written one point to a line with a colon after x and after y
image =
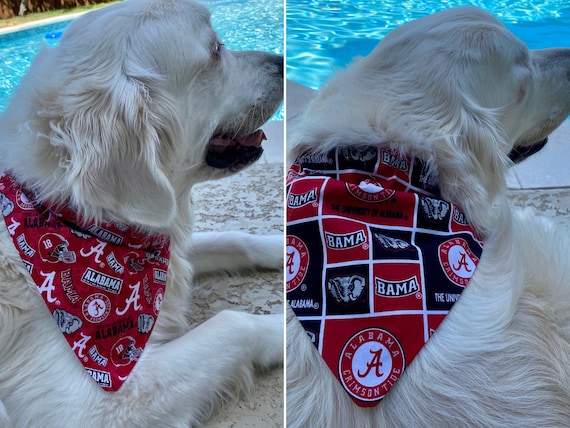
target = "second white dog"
x: 460, y: 92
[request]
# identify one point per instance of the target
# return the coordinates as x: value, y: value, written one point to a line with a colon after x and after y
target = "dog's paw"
x: 270, y: 340
x: 267, y: 252
x: 260, y: 338
x: 235, y: 251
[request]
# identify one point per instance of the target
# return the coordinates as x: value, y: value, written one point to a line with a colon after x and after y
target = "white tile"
x: 513, y: 181
x: 549, y: 168
x: 297, y: 97
x: 274, y: 146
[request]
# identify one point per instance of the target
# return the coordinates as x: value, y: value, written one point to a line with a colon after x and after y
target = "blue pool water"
x: 325, y: 35
x: 240, y: 24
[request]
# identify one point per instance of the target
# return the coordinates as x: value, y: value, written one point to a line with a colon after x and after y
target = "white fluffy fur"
x: 459, y: 90
x: 115, y: 121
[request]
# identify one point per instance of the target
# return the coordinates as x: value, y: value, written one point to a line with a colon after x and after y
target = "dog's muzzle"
x: 518, y: 154
x: 236, y: 152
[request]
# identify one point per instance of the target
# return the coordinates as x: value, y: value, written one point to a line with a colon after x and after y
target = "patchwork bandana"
x: 375, y: 260
x: 103, y: 283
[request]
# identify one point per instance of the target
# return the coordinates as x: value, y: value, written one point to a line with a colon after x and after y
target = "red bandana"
x: 375, y: 260
x: 103, y: 283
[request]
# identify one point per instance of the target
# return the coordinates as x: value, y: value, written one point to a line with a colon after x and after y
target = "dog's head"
x: 455, y: 88
x: 139, y: 101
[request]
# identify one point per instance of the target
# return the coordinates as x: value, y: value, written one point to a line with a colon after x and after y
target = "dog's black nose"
x: 279, y: 63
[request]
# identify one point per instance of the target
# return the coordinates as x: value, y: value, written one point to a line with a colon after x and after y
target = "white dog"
x: 461, y: 93
x: 112, y: 128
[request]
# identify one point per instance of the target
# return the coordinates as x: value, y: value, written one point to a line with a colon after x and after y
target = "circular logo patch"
x: 96, y: 308
x: 23, y: 201
x: 157, y: 303
x: 369, y: 191
x: 370, y: 363
x: 297, y: 262
x: 457, y: 260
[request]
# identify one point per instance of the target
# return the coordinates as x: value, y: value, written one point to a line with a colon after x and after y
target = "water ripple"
x: 330, y: 33
x: 241, y: 24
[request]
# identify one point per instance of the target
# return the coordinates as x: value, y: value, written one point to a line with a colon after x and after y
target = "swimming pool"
x: 324, y: 35
x: 241, y: 24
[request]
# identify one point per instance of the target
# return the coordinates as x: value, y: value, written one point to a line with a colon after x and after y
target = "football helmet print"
x: 125, y: 351
x: 53, y: 249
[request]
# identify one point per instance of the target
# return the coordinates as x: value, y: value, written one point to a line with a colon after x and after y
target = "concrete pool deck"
x: 541, y: 182
x: 41, y: 22
x: 251, y: 201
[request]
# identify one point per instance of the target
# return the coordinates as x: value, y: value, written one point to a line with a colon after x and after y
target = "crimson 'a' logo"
x: 297, y: 262
x: 457, y: 260
x: 371, y: 362
x: 96, y: 308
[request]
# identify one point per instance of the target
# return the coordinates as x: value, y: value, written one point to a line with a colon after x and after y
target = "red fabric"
x: 103, y: 283
x: 375, y: 260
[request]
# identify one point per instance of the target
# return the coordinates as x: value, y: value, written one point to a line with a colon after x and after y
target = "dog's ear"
x: 472, y: 165
x: 118, y: 142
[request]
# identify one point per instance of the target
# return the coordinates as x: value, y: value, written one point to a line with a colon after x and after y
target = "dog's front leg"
x: 235, y: 251
x: 180, y: 380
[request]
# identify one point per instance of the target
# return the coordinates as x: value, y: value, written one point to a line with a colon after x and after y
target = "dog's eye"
x: 218, y: 48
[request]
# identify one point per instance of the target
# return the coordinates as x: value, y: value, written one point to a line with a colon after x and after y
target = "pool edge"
x: 40, y: 23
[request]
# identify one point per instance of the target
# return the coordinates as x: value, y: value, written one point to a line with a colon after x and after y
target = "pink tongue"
x: 254, y: 139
